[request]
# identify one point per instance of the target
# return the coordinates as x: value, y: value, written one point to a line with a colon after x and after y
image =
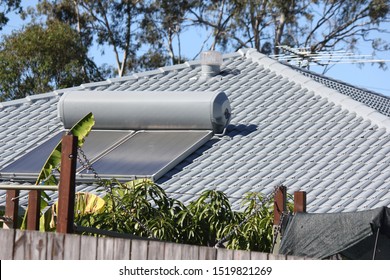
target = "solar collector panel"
x: 31, y: 163
x: 99, y: 141
x: 148, y: 154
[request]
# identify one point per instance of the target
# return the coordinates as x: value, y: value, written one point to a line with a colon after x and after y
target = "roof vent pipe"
x: 211, y: 62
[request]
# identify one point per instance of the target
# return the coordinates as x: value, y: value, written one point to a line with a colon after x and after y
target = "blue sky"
x: 368, y: 76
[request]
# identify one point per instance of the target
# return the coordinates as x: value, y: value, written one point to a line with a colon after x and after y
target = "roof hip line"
x: 344, y: 101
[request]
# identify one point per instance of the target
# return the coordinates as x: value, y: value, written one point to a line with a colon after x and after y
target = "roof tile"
x: 288, y: 127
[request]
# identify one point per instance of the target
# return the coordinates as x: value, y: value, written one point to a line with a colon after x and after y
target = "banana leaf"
x: 81, y: 129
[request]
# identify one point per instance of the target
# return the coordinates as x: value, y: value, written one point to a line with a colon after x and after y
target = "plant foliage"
x: 81, y: 129
x: 143, y: 35
x: 142, y: 208
x: 39, y: 59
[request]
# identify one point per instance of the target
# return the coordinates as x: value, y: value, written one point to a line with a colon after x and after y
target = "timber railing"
x: 66, y: 194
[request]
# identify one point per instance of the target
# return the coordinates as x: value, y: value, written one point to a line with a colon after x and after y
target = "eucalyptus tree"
x: 319, y: 25
x: 216, y: 18
x: 33, y: 61
x: 68, y: 12
x: 112, y: 23
x: 116, y: 23
x: 162, y: 25
x: 345, y: 24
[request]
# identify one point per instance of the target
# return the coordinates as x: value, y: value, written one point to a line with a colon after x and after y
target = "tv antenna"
x: 305, y: 57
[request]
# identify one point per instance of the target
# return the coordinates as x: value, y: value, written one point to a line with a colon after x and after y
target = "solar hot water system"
x: 162, y: 128
x: 136, y: 134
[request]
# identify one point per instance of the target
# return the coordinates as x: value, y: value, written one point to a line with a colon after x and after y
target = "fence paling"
x: 280, y: 204
x: 25, y: 245
x: 300, y: 202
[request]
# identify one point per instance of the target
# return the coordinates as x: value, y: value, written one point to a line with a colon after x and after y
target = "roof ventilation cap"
x: 211, y: 62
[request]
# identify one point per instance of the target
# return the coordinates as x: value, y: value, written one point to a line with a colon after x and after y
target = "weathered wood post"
x: 67, y: 186
x: 299, y: 202
x: 11, y: 209
x: 280, y: 207
x: 33, y: 209
x: 280, y: 203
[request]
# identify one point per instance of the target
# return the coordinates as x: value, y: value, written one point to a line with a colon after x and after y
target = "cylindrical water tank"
x: 147, y: 110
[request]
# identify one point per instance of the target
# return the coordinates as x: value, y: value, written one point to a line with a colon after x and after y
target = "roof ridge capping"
x: 317, y: 88
x: 29, y: 99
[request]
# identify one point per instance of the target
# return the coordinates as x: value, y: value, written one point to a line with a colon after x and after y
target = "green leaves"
x: 142, y: 208
x: 81, y: 129
x: 34, y: 61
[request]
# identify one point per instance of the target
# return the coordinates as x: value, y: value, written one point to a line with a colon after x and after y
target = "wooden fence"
x: 35, y: 245
x: 32, y: 244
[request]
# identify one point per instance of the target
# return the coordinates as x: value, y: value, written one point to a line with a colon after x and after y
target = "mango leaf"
x: 134, y: 183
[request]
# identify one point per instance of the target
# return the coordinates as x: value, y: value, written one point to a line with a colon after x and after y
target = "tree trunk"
x: 279, y: 32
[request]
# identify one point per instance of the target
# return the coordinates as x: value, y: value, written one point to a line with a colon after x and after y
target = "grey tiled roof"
x: 286, y: 129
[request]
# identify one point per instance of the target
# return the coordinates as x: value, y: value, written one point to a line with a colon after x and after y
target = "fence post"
x: 33, y: 209
x: 67, y: 186
x: 11, y: 209
x: 299, y: 202
x: 280, y: 204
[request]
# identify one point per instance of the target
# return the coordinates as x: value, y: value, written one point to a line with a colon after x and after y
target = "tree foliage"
x: 34, y: 61
x: 146, y: 34
x: 162, y: 23
x: 156, y: 26
x: 110, y: 23
x: 268, y: 24
x: 142, y: 208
